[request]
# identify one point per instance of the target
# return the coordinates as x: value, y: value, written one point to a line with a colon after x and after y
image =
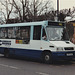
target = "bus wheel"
x: 47, y: 58
x: 6, y: 53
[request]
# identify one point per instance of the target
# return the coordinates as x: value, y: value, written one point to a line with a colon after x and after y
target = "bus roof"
x: 43, y: 23
x: 25, y: 24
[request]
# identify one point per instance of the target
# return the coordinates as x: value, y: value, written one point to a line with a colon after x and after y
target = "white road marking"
x: 13, y: 67
x: 41, y: 73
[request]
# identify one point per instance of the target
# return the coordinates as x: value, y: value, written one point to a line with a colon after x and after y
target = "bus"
x: 45, y: 40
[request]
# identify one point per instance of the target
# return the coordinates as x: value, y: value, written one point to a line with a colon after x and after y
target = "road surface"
x: 12, y: 66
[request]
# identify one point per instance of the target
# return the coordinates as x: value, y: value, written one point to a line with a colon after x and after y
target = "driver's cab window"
x: 44, y: 36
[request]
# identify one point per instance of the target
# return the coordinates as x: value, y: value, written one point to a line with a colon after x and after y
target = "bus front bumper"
x: 63, y: 55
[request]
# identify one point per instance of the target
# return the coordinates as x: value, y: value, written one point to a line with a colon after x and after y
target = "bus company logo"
x: 5, y: 42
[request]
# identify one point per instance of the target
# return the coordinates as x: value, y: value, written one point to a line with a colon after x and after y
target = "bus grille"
x: 69, y: 48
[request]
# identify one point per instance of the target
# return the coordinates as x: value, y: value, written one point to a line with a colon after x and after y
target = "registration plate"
x: 69, y: 54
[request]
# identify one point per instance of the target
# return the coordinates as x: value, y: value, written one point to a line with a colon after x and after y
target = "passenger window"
x: 23, y: 34
x: 18, y: 33
x: 3, y: 33
x: 11, y: 33
x: 37, y: 33
x: 8, y: 33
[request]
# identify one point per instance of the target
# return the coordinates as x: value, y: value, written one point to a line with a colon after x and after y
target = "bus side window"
x: 11, y: 33
x: 18, y: 33
x: 23, y: 34
x: 37, y: 33
x: 3, y: 33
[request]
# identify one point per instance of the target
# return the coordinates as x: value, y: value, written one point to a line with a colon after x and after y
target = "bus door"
x: 36, y: 42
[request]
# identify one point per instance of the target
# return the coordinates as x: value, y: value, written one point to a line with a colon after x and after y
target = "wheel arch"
x: 46, y: 51
x: 6, y: 50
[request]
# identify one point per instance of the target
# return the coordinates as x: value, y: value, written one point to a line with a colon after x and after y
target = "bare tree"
x: 67, y: 13
x: 26, y: 10
x: 20, y: 9
x: 38, y: 8
x: 6, y: 9
x: 30, y: 10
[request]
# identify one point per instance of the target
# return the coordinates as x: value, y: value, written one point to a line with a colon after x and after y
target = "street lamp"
x: 57, y: 8
x: 7, y: 7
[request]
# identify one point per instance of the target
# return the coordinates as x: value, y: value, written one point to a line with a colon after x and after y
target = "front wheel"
x: 47, y: 58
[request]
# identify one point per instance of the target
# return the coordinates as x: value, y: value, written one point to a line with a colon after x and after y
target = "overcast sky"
x: 64, y: 4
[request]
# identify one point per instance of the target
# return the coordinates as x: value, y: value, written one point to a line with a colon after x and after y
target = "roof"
x: 43, y: 23
x: 25, y: 24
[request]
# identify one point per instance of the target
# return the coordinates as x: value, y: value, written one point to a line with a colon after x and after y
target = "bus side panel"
x: 22, y: 52
x: 28, y: 53
x: 2, y: 50
x: 29, y: 50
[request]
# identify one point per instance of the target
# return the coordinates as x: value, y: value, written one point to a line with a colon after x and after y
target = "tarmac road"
x: 12, y: 66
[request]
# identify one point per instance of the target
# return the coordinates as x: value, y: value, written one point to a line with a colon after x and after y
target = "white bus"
x: 46, y: 40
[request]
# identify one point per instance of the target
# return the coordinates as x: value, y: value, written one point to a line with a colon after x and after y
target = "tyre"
x: 47, y: 58
x: 6, y: 53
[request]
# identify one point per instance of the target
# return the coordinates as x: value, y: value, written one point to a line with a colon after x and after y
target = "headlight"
x: 59, y: 49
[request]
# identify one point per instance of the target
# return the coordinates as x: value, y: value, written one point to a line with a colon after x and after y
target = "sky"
x: 64, y: 4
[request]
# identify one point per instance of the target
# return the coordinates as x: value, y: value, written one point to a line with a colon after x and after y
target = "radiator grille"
x: 69, y: 48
